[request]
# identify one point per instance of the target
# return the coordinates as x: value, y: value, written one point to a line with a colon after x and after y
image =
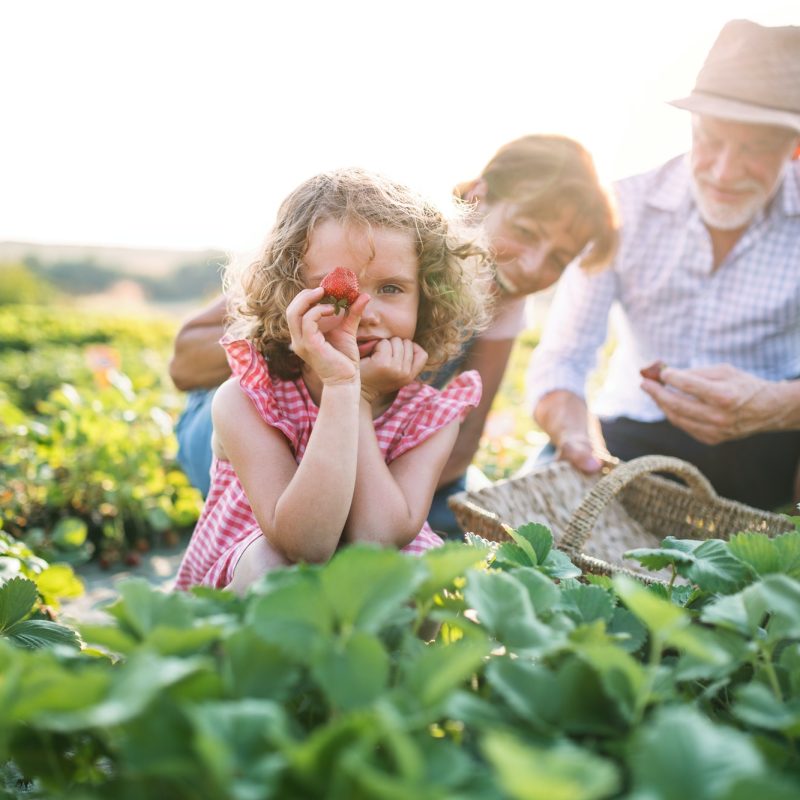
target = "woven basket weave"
x: 596, y: 518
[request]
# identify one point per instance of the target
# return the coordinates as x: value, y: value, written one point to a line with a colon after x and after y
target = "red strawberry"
x: 341, y: 288
x: 653, y: 372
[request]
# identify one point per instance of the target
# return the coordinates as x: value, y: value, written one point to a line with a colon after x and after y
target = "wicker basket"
x: 596, y: 518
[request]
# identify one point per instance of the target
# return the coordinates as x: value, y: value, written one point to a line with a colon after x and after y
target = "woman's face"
x: 531, y: 253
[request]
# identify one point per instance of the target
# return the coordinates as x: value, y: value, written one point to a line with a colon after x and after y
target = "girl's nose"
x: 370, y: 313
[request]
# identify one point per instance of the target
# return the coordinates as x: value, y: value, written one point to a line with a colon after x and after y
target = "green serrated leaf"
x: 656, y: 558
x: 540, y: 538
x: 587, y: 603
x: 17, y: 598
x: 715, y: 569
x: 513, y: 555
x: 557, y: 565
x: 35, y: 633
x: 757, y: 550
x: 788, y: 546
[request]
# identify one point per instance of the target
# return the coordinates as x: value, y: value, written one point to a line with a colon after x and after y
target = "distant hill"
x: 161, y: 275
x: 127, y: 260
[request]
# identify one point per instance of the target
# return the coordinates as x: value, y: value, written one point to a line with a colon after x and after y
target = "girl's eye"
x: 391, y: 289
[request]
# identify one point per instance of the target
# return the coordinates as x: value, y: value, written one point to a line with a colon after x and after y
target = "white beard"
x: 727, y: 216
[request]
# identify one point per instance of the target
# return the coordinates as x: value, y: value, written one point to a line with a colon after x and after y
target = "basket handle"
x: 583, y: 520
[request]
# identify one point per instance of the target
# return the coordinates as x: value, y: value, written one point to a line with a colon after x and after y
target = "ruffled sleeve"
x: 431, y: 409
x: 250, y: 367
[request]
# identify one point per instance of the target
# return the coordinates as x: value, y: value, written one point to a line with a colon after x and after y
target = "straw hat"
x: 751, y: 74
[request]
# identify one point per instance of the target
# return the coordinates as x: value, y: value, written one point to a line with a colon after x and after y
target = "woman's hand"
x: 324, y: 340
x: 393, y: 363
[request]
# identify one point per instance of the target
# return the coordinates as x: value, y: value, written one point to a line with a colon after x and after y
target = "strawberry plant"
x: 320, y: 683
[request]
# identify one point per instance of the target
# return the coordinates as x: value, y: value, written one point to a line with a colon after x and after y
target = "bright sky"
x: 183, y: 124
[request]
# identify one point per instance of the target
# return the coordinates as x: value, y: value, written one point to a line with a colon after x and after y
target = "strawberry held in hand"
x: 341, y: 288
x: 653, y: 372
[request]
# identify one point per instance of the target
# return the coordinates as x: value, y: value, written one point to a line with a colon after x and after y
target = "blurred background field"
x: 87, y: 409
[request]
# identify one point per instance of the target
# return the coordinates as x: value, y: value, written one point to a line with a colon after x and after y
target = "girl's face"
x: 531, y: 253
x: 387, y: 267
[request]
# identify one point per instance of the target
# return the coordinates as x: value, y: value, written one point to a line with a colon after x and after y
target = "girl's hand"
x: 393, y: 363
x: 324, y: 340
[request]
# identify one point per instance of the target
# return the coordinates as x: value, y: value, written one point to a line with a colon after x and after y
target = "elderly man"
x: 707, y: 281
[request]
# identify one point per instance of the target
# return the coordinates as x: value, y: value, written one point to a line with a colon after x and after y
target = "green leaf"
x: 681, y: 754
x: 438, y: 670
x: 587, y: 603
x: 670, y: 623
x: 788, y: 546
x: 70, y: 533
x: 561, y: 772
x: 513, y: 555
x: 35, y: 633
x: 557, y: 565
x: 353, y: 673
x: 543, y: 592
x: 17, y: 598
x: 756, y: 705
x: 237, y: 742
x: 626, y: 628
x: 776, y: 597
x: 366, y: 586
x: 656, y: 558
x: 445, y: 564
x: 504, y: 608
x: 294, y: 616
x: 715, y: 568
x: 534, y: 539
x: 252, y: 667
x: 757, y: 550
x: 141, y: 608
x: 57, y: 582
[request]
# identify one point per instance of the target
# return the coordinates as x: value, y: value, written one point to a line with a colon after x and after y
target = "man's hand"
x: 579, y: 451
x: 718, y: 403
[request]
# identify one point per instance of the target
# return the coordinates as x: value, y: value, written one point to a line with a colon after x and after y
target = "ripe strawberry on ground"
x: 653, y: 372
x: 341, y: 288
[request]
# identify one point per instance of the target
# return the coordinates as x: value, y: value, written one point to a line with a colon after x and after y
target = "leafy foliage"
x: 319, y: 684
x: 88, y: 415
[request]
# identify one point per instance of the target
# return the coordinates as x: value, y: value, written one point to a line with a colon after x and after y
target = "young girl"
x: 323, y: 436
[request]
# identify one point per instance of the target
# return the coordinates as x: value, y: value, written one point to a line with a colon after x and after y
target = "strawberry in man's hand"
x: 341, y: 288
x: 653, y: 372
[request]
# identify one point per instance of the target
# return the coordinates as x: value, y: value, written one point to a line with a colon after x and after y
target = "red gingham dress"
x: 228, y: 526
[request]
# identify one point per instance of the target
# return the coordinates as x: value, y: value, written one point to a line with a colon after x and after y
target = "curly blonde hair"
x: 454, y: 268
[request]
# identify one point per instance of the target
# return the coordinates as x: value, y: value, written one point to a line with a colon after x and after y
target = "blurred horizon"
x: 181, y: 126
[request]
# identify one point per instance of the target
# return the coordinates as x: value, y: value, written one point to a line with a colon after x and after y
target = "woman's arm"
x: 490, y: 359
x: 198, y: 361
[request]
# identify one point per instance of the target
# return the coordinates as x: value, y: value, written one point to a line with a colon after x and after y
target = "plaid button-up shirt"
x: 668, y: 303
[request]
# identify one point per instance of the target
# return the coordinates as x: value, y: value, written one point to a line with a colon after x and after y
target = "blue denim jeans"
x: 193, y: 432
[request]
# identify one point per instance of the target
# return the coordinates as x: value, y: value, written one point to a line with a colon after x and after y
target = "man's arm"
x: 720, y: 403
x: 198, y: 361
x: 564, y: 417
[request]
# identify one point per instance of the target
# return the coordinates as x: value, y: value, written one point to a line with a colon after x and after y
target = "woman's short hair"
x: 545, y: 175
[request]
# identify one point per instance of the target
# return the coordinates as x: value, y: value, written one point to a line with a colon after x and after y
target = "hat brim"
x: 737, y: 111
